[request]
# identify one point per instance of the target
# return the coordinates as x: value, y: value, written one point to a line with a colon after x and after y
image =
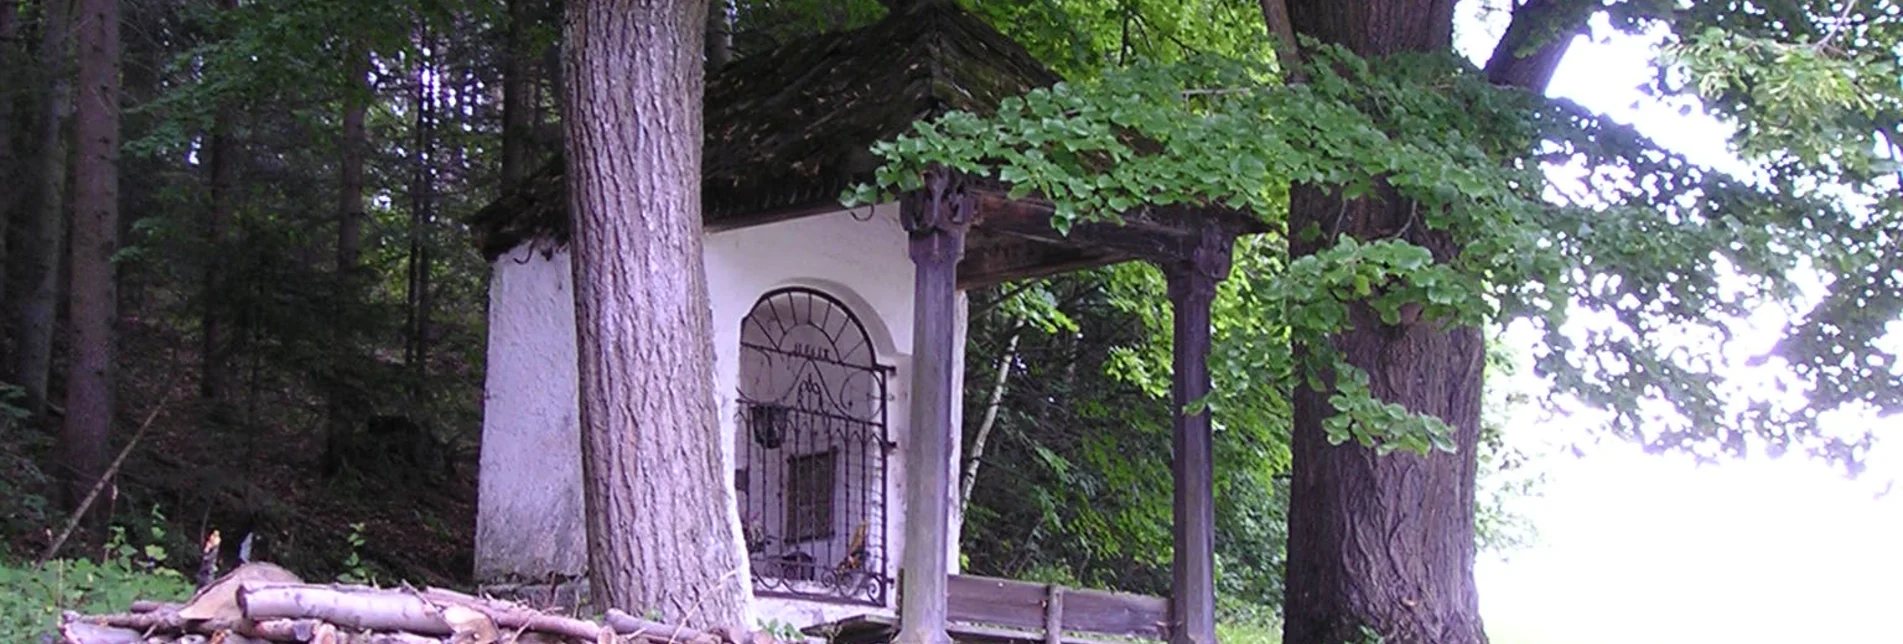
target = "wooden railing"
x: 993, y: 610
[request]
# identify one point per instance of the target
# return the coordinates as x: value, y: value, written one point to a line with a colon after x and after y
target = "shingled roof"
x: 788, y: 130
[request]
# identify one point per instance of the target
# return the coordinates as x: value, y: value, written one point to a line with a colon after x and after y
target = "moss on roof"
x: 792, y: 128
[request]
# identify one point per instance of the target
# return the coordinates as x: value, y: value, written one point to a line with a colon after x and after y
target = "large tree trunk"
x: 660, y: 531
x: 1383, y: 543
x: 89, y: 395
x: 36, y: 264
x: 1386, y: 543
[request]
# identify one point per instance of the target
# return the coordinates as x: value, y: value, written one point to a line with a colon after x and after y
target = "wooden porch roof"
x: 787, y: 131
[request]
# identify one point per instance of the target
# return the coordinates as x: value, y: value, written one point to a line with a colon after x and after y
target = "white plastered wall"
x: 529, y: 522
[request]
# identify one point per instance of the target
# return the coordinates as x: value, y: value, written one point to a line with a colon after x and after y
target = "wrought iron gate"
x: 812, y: 446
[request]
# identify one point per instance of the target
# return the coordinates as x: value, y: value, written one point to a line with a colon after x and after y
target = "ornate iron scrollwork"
x: 812, y: 447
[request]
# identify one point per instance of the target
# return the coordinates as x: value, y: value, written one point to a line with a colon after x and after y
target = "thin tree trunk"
x: 518, y: 96
x: 214, y: 350
x: 719, y: 35
x: 350, y: 214
x: 1386, y: 543
x: 422, y: 204
x: 89, y: 394
x: 140, y: 175
x: 994, y: 403
x: 660, y: 532
x: 350, y: 205
x: 37, y: 263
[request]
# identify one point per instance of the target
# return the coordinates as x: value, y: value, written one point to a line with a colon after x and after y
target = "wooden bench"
x: 989, y: 610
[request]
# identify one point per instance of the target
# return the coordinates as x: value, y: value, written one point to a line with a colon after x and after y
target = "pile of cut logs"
x: 260, y: 602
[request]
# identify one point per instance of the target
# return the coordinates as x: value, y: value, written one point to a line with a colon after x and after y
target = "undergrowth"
x: 32, y: 597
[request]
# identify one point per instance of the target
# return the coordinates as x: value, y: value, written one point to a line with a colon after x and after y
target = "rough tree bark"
x: 89, y: 395
x: 36, y: 262
x: 1387, y: 543
x: 660, y: 534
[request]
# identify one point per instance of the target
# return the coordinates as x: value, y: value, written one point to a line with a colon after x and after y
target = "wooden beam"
x: 998, y: 213
x: 1003, y: 259
x: 1023, y: 605
x: 936, y: 218
x: 1192, y: 289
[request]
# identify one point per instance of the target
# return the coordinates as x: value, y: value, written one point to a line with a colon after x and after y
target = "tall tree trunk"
x: 1386, y: 543
x: 11, y: 72
x: 89, y: 394
x: 660, y: 532
x: 350, y: 206
x: 141, y: 175
x: 719, y: 35
x: 350, y: 213
x: 422, y: 206
x: 36, y: 264
x: 975, y: 458
x: 518, y: 95
x: 215, y: 370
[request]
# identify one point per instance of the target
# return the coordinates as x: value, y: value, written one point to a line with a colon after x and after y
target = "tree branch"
x: 1536, y: 40
x: 93, y: 494
x: 1275, y: 13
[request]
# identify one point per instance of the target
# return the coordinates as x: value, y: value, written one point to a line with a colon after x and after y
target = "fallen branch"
x: 357, y: 608
x: 99, y: 485
x: 267, y: 610
x: 625, y: 624
x: 77, y: 631
x: 147, y: 606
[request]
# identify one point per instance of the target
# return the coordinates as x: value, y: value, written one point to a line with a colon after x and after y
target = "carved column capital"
x: 1204, y: 262
x: 937, y: 216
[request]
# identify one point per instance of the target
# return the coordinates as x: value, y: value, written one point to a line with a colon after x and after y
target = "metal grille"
x: 812, y: 448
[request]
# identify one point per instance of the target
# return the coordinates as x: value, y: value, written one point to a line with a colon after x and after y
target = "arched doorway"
x: 812, y: 447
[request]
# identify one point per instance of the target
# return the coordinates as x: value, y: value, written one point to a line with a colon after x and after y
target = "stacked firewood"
x: 260, y: 602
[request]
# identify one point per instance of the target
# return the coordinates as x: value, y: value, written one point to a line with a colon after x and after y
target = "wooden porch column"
x: 1192, y: 287
x: 936, y: 217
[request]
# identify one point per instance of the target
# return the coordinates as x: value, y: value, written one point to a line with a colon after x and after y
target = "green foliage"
x: 1249, y: 633
x: 35, y: 597
x: 1667, y: 249
x: 782, y: 631
x: 1080, y: 38
x: 355, y: 571
x: 1212, y: 132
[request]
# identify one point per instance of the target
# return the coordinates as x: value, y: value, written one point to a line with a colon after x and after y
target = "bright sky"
x: 1635, y: 549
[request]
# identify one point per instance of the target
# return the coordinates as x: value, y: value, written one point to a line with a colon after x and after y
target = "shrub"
x: 31, y: 598
x: 31, y: 603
